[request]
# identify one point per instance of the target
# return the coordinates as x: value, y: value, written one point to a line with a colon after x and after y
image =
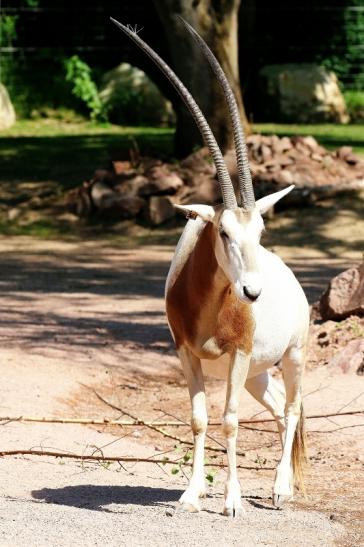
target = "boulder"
x: 160, y: 209
x: 7, y: 112
x: 303, y: 93
x: 344, y: 295
x: 130, y: 97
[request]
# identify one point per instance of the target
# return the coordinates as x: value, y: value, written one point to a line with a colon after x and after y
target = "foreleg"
x: 194, y: 377
x: 238, y: 371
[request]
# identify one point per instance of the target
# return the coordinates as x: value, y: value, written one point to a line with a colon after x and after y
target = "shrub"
x: 131, y: 98
x: 355, y: 105
x: 78, y: 73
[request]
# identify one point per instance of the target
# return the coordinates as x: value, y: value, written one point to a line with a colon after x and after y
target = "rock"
x: 14, y: 213
x: 105, y: 199
x: 199, y: 162
x: 303, y: 93
x: 345, y: 295
x: 7, y: 112
x: 121, y: 167
x: 101, y: 175
x: 133, y: 186
x: 102, y: 195
x: 130, y: 97
x: 206, y: 190
x: 350, y: 358
x: 126, y: 206
x: 284, y: 177
x: 160, y: 210
x: 162, y: 181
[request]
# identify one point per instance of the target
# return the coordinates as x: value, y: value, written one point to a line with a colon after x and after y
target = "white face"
x: 237, y: 243
x: 236, y: 250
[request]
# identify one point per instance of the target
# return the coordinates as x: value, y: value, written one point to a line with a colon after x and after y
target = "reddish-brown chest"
x: 201, y: 309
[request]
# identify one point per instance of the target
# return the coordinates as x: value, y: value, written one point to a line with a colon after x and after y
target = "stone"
x: 350, y: 358
x: 302, y: 93
x: 130, y: 96
x: 284, y: 177
x: 199, y: 162
x: 162, y: 181
x: 14, y: 213
x: 105, y: 199
x: 126, y: 206
x: 7, y: 112
x: 102, y: 175
x: 344, y: 295
x: 160, y: 210
x: 121, y: 167
x: 206, y: 191
x: 133, y: 186
x: 102, y: 195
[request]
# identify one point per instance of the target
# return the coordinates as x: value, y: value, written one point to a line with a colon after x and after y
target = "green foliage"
x: 8, y: 30
x: 32, y: 3
x: 355, y: 105
x: 78, y: 73
x: 348, y: 64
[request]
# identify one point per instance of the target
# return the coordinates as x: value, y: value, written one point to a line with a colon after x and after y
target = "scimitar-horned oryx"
x: 235, y: 309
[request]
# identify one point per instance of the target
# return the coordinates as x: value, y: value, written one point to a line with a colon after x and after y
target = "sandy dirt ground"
x: 80, y: 317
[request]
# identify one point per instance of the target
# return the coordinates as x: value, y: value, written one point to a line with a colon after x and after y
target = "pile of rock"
x: 337, y: 333
x: 148, y: 188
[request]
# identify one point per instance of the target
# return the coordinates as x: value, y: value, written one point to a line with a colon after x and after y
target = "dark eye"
x: 223, y: 234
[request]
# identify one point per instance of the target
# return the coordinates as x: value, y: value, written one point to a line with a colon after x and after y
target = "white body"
x: 279, y: 324
x: 280, y: 314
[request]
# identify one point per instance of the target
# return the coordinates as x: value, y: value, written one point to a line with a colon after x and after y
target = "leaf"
x: 210, y: 478
x: 174, y: 470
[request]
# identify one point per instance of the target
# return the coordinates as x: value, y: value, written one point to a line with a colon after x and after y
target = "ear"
x: 267, y: 202
x: 206, y: 212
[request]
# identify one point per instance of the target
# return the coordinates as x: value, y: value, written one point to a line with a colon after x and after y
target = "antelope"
x: 235, y: 309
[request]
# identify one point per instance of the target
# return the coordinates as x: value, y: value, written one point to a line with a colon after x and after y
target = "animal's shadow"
x: 95, y: 498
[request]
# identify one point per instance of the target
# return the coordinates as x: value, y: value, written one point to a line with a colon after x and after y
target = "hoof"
x: 233, y: 512
x: 188, y: 507
x: 279, y: 500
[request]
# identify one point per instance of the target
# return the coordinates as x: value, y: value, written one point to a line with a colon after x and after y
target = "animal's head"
x: 237, y: 238
x: 238, y: 226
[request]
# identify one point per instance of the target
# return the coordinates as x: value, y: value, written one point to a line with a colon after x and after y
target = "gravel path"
x: 91, y: 313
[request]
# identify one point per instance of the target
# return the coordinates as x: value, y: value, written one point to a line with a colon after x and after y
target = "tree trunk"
x: 217, y: 23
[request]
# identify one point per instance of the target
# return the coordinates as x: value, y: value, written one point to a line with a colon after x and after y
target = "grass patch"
x: 70, y: 153
x: 331, y: 136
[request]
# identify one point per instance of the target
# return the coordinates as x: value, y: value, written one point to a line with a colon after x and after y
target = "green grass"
x: 70, y: 153
x: 329, y: 135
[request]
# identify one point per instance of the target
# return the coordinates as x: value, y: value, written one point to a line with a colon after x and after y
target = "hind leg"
x: 270, y: 393
x: 290, y: 467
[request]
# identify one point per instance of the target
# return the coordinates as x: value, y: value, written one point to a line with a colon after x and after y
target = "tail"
x: 299, y: 458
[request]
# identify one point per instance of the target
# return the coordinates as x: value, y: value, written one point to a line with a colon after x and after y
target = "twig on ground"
x: 124, y: 459
x: 147, y: 423
x: 158, y: 429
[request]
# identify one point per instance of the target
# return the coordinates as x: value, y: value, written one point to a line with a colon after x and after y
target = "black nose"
x: 251, y: 293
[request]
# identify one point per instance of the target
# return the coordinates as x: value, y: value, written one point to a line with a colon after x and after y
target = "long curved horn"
x: 245, y: 179
x: 227, y: 188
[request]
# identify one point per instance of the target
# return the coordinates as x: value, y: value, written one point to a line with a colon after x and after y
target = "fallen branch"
x: 158, y: 429
x: 124, y: 459
x: 147, y: 423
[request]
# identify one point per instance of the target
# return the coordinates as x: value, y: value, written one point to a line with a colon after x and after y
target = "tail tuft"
x: 299, y: 457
